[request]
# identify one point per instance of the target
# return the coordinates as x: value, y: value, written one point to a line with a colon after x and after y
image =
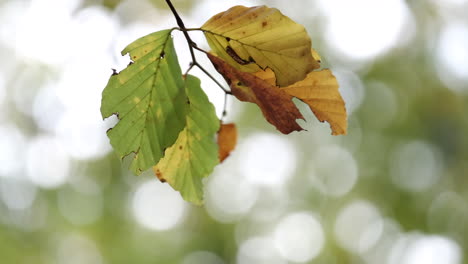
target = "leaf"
x: 276, y: 105
x: 149, y: 99
x: 227, y: 140
x: 251, y: 39
x: 194, y: 154
x: 320, y: 91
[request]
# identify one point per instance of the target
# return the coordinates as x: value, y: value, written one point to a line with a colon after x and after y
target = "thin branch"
x: 200, y: 49
x: 180, y: 23
x: 192, y: 45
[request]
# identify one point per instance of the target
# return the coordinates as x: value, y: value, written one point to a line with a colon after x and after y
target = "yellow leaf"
x: 276, y: 105
x: 255, y: 38
x: 227, y: 140
x: 320, y: 91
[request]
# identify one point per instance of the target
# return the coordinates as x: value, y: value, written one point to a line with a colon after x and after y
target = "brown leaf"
x: 227, y: 140
x: 276, y: 105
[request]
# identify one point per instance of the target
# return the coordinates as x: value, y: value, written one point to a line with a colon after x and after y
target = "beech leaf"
x: 276, y: 105
x: 227, y: 140
x: 149, y: 100
x: 255, y: 38
x: 195, y: 153
x: 320, y: 91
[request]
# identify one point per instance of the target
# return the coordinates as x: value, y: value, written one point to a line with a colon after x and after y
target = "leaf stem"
x: 194, y: 29
x: 224, y: 113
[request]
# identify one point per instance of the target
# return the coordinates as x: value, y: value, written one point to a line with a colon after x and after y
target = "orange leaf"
x: 276, y: 105
x: 320, y: 91
x: 227, y: 140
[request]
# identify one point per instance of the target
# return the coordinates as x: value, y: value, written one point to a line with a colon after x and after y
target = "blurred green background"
x: 394, y: 190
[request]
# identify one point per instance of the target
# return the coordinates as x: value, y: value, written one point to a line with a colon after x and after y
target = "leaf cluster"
x: 166, y: 120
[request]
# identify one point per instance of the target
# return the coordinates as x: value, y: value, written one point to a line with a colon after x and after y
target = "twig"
x: 180, y: 23
x: 192, y: 45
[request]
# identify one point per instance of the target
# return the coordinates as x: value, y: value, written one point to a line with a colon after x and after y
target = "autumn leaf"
x: 195, y: 153
x: 149, y: 100
x: 227, y: 140
x: 276, y: 104
x: 251, y: 39
x: 320, y: 91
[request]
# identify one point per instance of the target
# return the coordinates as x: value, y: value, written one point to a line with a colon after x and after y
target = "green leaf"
x: 149, y: 99
x: 195, y: 153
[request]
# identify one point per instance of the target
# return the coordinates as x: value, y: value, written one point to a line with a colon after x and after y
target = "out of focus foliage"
x: 394, y: 190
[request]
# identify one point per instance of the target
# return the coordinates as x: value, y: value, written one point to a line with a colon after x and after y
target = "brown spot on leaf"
x: 159, y: 175
x: 236, y: 57
x: 180, y: 147
x: 264, y: 24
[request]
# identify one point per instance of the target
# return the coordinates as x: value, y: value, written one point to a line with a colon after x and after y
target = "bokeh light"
x: 413, y: 248
x: 13, y: 143
x: 269, y: 159
x: 391, y: 191
x: 156, y: 206
x: 299, y: 237
x: 259, y: 250
x: 452, y: 56
x: 334, y: 180
x: 48, y: 164
x: 228, y: 196
x: 17, y: 194
x: 415, y: 166
x: 358, y: 226
x: 349, y: 32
